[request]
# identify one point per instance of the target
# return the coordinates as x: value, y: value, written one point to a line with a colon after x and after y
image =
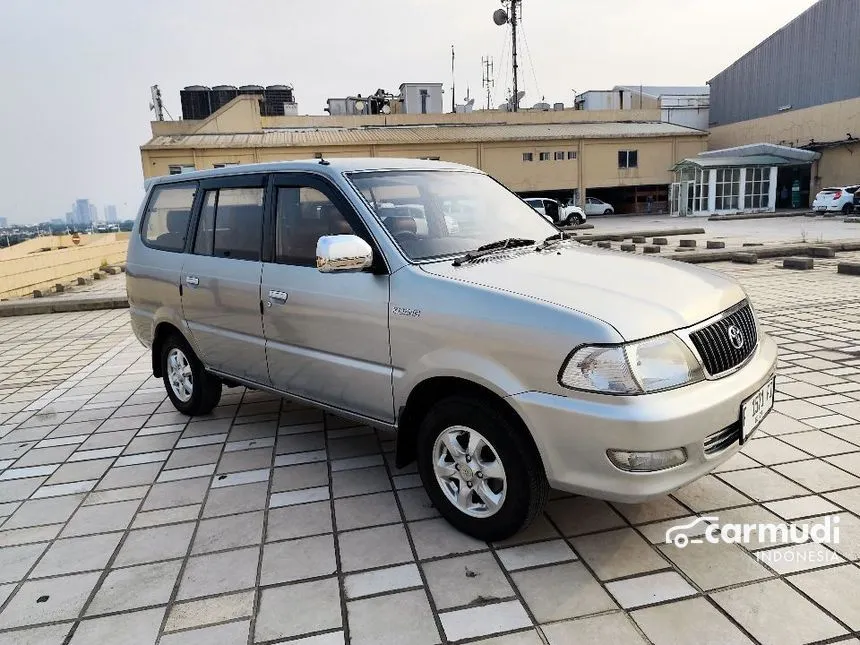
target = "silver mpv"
x: 425, y: 298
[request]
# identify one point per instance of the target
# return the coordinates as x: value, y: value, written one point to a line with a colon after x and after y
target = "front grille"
x: 722, y: 439
x: 714, y: 342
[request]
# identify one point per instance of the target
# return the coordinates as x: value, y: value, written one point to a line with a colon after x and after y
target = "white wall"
x: 687, y: 117
x: 412, y: 97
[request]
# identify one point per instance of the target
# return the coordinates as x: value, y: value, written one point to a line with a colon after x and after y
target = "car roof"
x: 334, y: 166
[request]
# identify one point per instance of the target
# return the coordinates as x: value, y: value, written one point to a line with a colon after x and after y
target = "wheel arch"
x: 162, y: 332
x: 428, y: 392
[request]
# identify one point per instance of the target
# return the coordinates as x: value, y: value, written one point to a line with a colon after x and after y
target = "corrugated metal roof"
x: 732, y: 162
x: 669, y: 90
x: 311, y: 137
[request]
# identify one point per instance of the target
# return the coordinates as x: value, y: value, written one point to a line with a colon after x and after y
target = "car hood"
x: 639, y: 297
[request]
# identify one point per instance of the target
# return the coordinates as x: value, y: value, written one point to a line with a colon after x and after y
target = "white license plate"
x: 755, y: 408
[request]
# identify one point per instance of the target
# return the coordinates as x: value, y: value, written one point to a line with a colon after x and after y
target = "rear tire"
x: 192, y: 390
x: 846, y: 210
x: 504, y: 468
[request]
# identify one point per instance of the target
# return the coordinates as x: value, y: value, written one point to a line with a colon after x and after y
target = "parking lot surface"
x: 122, y: 521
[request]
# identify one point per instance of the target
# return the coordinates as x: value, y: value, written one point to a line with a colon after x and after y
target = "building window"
x: 628, y: 158
x: 571, y: 154
x: 424, y: 97
x: 225, y: 164
x: 559, y: 156
x: 728, y: 188
x: 430, y: 158
x: 757, y: 194
x: 181, y: 169
x: 545, y: 156
x: 528, y: 156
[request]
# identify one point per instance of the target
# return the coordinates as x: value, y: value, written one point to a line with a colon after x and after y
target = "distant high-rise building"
x: 110, y: 214
x: 83, y: 213
x: 3, y: 222
x: 70, y: 217
x: 94, y: 214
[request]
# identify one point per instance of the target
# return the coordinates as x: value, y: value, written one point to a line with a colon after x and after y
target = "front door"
x: 326, y: 333
x: 221, y: 277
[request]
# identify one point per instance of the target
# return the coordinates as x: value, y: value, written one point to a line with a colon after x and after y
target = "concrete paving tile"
x: 178, y: 493
x: 660, y: 509
x: 136, y: 628
x: 19, y: 489
x: 215, y: 573
x: 466, y: 580
x: 108, y: 440
x: 52, y: 510
x: 186, y: 473
x: 360, y: 482
x: 298, y: 521
x: 293, y: 459
x: 649, y: 589
x: 197, y: 456
x: 310, y: 557
x: 101, y: 453
x: 711, y: 566
x: 408, y: 620
x: 848, y: 499
x: 235, y: 499
x: 356, y: 462
x: 64, y: 598
x: 436, y: 537
x: 298, y: 609
x: 710, y: 493
x: 241, y: 477
x: 366, y: 510
x: 16, y: 561
x: 116, y: 495
x: 835, y: 590
x: 79, y: 471
x: 537, y: 554
x: 37, y: 635
x: 415, y: 503
x: 147, y: 519
x: 702, y: 624
x: 236, y: 632
x: 375, y: 547
x: 44, y: 456
x: 132, y: 587
x: 561, y: 591
x: 578, y: 515
x: 101, y: 518
x: 761, y: 609
x: 29, y: 471
x: 158, y: 543
x: 64, y: 489
x: 358, y: 585
x: 228, y: 532
x: 796, y: 507
x: 32, y: 535
x: 245, y: 460
x: 818, y: 476
x: 302, y: 496
x: 129, y: 476
x: 618, y: 553
x: 769, y: 451
x: 208, y: 611
x: 762, y: 484
x: 300, y: 476
x: 608, y: 628
x: 73, y: 555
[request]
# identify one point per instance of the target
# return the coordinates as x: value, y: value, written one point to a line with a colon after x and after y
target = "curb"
x: 781, y: 251
x: 66, y: 305
x: 742, y: 216
x: 624, y: 235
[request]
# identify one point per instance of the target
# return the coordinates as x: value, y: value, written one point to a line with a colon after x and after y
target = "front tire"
x: 573, y: 220
x: 192, y: 390
x: 608, y: 211
x: 846, y: 210
x: 480, y: 469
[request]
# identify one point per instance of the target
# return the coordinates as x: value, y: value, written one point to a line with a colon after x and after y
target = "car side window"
x: 304, y: 215
x: 231, y: 224
x: 165, y: 223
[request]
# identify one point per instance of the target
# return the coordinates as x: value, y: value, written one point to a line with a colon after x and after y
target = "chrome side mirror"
x: 336, y: 253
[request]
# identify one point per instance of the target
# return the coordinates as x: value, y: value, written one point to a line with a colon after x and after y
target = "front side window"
x: 165, y: 223
x: 304, y: 215
x: 438, y: 213
x: 231, y: 224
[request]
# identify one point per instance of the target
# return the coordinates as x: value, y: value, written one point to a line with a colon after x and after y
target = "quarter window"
x: 628, y: 158
x: 304, y: 215
x: 165, y: 223
x: 231, y: 224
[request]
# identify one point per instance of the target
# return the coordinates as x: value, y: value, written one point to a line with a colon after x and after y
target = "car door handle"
x: 278, y: 296
x: 192, y: 280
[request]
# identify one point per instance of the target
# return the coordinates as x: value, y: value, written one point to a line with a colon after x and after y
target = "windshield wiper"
x: 492, y: 247
x: 558, y: 237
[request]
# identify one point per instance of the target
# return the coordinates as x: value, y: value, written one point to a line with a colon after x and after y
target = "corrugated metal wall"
x: 815, y: 59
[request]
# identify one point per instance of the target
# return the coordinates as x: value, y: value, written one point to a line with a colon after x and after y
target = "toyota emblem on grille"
x: 736, y: 337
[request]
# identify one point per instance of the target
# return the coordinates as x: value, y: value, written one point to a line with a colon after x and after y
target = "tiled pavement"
x: 123, y: 522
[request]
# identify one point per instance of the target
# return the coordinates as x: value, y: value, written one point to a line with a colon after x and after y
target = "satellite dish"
x: 386, y: 109
x: 520, y: 95
x: 500, y: 17
x: 359, y: 105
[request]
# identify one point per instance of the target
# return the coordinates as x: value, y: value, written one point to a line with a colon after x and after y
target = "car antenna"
x: 323, y: 162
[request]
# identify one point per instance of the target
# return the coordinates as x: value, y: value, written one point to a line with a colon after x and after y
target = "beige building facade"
x: 629, y: 153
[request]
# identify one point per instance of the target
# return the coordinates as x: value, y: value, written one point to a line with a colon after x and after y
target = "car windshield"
x: 439, y: 213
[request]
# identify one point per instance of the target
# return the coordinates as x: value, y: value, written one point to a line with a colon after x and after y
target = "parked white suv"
x: 835, y: 200
x: 594, y: 206
x: 556, y: 212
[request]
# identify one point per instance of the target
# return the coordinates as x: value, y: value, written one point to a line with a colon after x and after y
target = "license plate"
x: 755, y: 408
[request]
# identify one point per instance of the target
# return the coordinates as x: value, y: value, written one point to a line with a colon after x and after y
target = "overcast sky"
x: 75, y: 76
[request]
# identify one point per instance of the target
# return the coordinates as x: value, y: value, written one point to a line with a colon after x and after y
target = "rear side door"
x: 326, y: 333
x: 221, y: 277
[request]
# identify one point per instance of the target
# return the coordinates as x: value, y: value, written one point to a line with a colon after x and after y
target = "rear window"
x: 165, y: 223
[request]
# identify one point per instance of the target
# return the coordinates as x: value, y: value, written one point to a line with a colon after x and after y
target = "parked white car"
x: 594, y: 206
x: 554, y: 211
x: 835, y: 200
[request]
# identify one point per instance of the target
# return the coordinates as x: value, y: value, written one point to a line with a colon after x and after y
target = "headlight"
x: 659, y: 363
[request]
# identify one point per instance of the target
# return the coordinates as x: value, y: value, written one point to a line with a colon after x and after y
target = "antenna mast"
x: 453, y: 83
x: 156, y: 104
x: 487, y: 78
x: 516, y: 5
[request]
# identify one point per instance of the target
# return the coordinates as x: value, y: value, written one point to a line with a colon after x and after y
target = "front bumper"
x: 573, y: 434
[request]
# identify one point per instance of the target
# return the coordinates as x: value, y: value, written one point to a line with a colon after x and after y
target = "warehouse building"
x: 624, y: 157
x: 799, y: 88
